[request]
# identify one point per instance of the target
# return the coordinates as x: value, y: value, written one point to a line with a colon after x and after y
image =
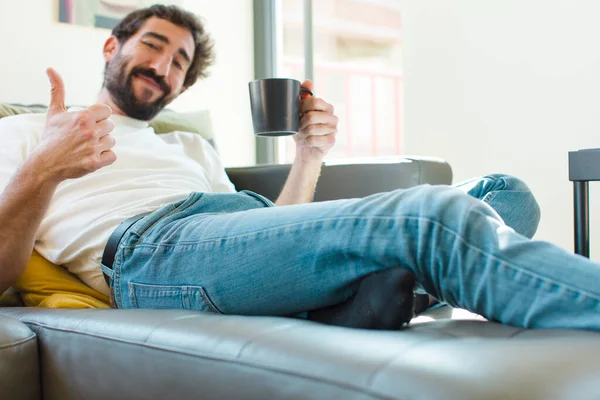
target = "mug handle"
x: 304, y: 90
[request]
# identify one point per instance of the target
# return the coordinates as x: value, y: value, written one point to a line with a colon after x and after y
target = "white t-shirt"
x: 151, y: 170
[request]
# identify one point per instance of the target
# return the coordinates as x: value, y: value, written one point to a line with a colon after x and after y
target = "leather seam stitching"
x: 20, y: 342
x: 232, y: 360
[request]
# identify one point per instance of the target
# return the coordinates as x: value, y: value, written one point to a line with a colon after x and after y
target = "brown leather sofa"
x: 163, y: 354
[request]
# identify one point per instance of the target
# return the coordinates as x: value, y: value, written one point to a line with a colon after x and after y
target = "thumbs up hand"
x: 57, y: 93
x: 74, y: 144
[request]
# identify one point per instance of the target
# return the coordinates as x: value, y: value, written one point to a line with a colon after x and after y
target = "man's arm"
x: 72, y: 145
x: 22, y: 206
x: 316, y: 136
x: 300, y: 184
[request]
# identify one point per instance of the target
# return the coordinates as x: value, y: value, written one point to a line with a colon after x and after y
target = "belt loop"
x: 107, y: 271
x: 110, y: 250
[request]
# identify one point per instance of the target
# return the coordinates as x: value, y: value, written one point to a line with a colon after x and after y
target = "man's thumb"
x: 57, y: 93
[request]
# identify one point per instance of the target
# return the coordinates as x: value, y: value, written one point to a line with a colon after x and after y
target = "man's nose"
x: 162, y: 65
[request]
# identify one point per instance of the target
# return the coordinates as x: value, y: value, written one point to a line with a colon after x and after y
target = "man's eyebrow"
x: 165, y: 40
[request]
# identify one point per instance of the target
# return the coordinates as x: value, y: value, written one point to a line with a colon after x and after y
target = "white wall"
x: 507, y: 86
x: 33, y: 41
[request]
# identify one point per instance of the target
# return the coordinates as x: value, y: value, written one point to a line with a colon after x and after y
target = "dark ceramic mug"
x: 275, y: 106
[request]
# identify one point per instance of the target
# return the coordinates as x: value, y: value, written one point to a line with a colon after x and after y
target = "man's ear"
x: 110, y: 48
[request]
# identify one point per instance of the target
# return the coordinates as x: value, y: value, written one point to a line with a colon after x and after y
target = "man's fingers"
x: 314, y: 103
x: 317, y: 130
x: 99, y: 111
x: 106, y: 158
x: 308, y: 85
x: 105, y: 143
x: 57, y: 93
x: 316, y: 118
x: 321, y: 141
x: 104, y: 127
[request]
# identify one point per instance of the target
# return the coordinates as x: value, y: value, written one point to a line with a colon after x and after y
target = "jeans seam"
x: 116, y: 277
x: 513, y: 266
x: 188, y: 202
x: 259, y: 197
x: 186, y: 292
x: 206, y: 298
x: 132, y: 297
x: 432, y: 221
x: 489, y: 197
x: 215, y: 239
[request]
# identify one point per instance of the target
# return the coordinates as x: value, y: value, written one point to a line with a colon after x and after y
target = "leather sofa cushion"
x: 131, y: 354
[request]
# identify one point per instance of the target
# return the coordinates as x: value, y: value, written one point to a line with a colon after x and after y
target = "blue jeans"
x: 236, y: 254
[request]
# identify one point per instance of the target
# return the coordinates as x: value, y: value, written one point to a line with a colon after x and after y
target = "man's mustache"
x: 148, y: 73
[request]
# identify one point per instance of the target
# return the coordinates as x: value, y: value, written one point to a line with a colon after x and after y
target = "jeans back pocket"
x: 170, y: 297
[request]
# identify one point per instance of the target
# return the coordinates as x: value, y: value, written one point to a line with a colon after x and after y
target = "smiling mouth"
x: 149, y: 82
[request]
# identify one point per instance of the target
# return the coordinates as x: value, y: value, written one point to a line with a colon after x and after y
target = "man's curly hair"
x: 203, y: 45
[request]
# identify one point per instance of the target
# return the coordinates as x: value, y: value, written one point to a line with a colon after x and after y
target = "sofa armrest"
x: 19, y: 361
x: 341, y: 180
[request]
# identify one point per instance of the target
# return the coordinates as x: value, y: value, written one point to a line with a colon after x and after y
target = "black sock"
x: 384, y: 300
x: 421, y: 303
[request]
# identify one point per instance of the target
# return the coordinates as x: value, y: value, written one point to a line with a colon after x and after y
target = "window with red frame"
x: 357, y: 62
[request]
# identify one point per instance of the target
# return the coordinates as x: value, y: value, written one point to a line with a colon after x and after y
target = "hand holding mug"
x: 285, y: 107
x: 317, y: 128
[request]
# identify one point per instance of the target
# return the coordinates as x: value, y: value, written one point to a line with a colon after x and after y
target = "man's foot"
x: 424, y: 302
x: 384, y: 300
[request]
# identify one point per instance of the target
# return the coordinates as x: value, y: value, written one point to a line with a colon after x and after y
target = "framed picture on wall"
x: 101, y: 13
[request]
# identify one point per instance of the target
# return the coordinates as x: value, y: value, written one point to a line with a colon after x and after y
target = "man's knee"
x: 444, y: 203
x: 520, y: 209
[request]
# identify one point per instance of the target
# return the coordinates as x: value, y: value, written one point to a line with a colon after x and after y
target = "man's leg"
x: 510, y: 198
x: 285, y: 260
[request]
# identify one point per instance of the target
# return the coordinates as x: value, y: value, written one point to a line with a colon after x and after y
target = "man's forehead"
x: 177, y: 35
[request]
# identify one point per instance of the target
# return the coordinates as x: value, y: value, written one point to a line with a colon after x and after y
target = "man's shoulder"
x: 23, y: 121
x: 185, y: 138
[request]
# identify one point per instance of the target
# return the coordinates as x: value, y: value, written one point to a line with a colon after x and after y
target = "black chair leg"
x: 582, y: 217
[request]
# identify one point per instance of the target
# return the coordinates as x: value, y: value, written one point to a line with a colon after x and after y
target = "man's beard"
x: 120, y: 87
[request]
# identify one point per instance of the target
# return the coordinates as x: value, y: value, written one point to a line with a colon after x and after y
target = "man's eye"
x: 152, y: 46
x: 177, y: 64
